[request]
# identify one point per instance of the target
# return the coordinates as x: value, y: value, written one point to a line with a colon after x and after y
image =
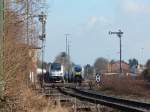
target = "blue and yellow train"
x: 76, y: 75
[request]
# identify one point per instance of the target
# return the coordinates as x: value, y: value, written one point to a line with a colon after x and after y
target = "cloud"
x: 95, y: 24
x: 136, y: 6
x: 94, y: 21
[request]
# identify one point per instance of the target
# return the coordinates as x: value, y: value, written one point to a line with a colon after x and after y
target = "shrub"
x: 125, y: 86
x: 146, y: 74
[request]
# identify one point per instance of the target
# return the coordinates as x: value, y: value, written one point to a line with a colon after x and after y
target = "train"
x: 57, y: 73
x: 77, y: 74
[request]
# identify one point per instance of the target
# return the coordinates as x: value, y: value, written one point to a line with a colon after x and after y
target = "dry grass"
x: 124, y: 86
x: 17, y: 97
x: 38, y: 103
x: 18, y: 63
x: 56, y: 109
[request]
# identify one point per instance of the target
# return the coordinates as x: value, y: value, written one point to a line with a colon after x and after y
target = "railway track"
x: 54, y: 95
x: 113, y: 102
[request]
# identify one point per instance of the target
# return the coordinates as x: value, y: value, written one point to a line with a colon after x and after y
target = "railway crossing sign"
x: 98, y: 78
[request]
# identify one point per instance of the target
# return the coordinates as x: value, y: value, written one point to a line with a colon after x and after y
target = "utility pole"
x: 68, y: 53
x: 2, y: 45
x: 119, y: 34
x: 27, y: 24
x: 27, y: 35
x: 69, y: 56
x: 42, y: 19
x: 67, y: 36
x: 142, y: 49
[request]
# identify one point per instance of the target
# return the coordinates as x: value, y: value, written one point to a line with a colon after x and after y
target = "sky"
x: 89, y: 21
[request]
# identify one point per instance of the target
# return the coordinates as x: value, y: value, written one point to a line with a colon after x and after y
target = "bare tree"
x: 63, y: 58
x: 20, y: 39
x: 101, y: 64
x: 146, y: 72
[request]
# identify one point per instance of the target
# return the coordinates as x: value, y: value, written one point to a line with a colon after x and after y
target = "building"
x: 33, y: 51
x: 115, y: 67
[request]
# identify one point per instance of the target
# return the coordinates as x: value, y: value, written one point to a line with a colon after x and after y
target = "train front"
x: 77, y: 73
x: 56, y: 72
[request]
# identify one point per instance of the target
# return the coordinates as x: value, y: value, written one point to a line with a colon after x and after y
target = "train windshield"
x: 56, y: 67
x: 78, y: 69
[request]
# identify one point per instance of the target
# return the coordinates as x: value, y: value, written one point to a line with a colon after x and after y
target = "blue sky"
x: 89, y: 21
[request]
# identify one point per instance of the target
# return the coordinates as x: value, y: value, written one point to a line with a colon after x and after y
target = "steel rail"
x: 94, y: 97
x: 95, y: 94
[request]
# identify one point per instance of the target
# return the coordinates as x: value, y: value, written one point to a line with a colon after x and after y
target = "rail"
x: 95, y: 97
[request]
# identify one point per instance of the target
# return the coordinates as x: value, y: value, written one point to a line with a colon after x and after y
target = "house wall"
x: 116, y: 67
